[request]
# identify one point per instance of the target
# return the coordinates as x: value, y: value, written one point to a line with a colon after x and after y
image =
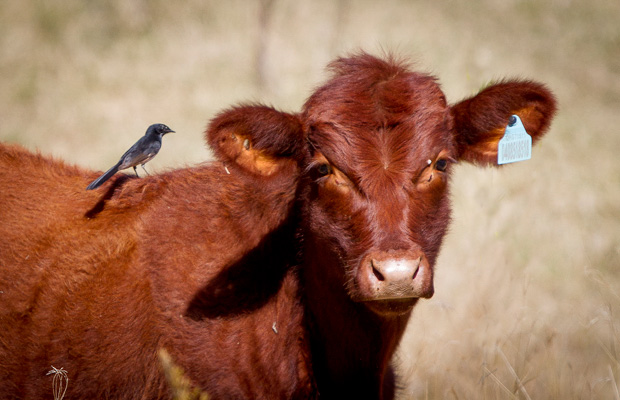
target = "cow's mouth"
x: 391, y: 307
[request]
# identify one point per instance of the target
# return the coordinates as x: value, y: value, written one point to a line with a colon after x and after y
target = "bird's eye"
x: 441, y: 165
x: 324, y: 169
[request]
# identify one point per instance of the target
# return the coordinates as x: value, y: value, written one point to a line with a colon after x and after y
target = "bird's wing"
x: 139, y: 153
x: 133, y: 159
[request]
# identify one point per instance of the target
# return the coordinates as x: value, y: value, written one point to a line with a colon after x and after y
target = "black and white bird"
x: 139, y: 154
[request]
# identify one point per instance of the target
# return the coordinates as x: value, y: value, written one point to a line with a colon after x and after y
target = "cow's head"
x: 377, y: 147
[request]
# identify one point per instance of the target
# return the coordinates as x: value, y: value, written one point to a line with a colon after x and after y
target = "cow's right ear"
x: 257, y: 138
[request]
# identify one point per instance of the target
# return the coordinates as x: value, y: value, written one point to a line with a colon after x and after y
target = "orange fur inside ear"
x: 485, y: 151
x: 532, y: 118
x: 240, y: 149
x: 257, y: 139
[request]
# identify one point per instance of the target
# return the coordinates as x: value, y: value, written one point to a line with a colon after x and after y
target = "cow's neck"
x: 351, y: 346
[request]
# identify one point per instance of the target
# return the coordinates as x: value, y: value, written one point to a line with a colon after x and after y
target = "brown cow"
x: 288, y: 269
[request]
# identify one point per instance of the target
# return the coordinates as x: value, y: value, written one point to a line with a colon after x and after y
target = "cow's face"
x: 380, y: 153
x: 381, y: 145
x: 375, y: 146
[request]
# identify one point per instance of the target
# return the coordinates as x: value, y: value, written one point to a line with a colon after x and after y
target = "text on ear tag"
x: 516, y: 145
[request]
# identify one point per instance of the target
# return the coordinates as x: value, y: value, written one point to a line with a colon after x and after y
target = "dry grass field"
x: 527, y: 300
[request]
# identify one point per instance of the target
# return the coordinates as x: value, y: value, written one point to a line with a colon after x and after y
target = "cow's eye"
x: 324, y: 169
x: 441, y: 165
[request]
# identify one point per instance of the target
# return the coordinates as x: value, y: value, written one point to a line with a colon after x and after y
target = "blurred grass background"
x: 527, y: 299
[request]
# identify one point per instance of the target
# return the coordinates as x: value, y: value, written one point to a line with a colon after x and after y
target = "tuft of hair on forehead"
x: 364, y: 64
x: 373, y: 93
x: 363, y: 85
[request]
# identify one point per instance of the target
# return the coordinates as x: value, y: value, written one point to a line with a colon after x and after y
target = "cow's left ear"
x: 256, y: 138
x: 480, y: 121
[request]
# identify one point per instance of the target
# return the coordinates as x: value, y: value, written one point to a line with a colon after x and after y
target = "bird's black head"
x: 158, y: 129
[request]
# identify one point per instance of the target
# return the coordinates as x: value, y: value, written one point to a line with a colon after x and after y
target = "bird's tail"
x: 99, y: 181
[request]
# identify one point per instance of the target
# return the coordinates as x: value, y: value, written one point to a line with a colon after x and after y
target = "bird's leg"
x: 147, y: 172
x: 136, y: 171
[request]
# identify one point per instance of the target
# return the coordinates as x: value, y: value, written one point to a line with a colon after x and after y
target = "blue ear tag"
x: 516, y: 145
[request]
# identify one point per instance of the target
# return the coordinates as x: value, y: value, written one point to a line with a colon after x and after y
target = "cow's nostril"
x: 415, y: 273
x: 375, y: 271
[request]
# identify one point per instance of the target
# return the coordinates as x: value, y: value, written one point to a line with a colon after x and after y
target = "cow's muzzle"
x: 395, y: 276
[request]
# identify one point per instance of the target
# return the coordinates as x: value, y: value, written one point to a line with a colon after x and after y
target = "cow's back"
x: 64, y: 258
x: 44, y: 211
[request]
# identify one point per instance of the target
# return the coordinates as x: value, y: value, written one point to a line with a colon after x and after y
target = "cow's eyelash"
x: 313, y: 165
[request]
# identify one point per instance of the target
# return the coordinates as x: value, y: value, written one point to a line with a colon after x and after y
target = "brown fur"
x: 254, y: 272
